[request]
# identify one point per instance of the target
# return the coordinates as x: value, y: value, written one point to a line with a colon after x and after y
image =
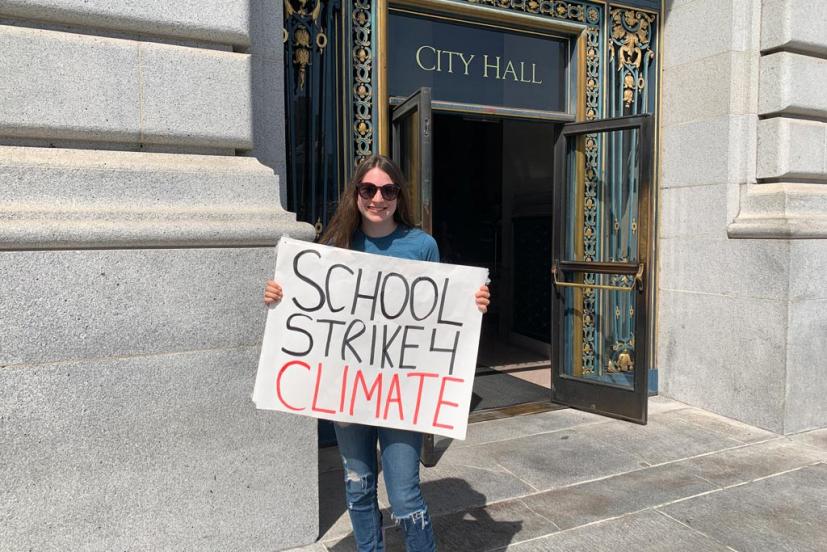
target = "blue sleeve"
x: 430, y: 250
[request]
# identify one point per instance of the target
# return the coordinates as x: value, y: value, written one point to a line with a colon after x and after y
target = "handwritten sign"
x: 369, y: 339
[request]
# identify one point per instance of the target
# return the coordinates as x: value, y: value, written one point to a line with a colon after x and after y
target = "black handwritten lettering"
x: 441, y: 320
x: 383, y: 301
x: 330, y: 323
x: 327, y: 286
x: 358, y: 295
x: 348, y: 338
x: 300, y: 330
x: 413, y: 297
x: 452, y: 350
x: 405, y: 345
x: 386, y: 344
x: 304, y: 278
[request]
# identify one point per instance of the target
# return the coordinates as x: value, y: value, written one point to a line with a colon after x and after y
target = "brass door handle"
x: 631, y: 287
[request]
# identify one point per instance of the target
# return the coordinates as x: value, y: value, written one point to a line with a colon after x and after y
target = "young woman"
x: 374, y: 216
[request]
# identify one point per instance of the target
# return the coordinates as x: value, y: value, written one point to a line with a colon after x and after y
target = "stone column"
x: 138, y: 210
x: 742, y: 328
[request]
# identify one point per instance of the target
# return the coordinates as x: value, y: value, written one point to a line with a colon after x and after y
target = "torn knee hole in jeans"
x: 415, y: 518
x: 354, y: 478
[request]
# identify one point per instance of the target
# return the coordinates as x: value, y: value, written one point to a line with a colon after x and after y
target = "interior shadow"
x: 332, y: 502
x: 467, y: 526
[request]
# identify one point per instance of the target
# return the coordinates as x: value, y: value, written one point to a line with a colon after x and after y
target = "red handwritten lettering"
x: 375, y: 388
x: 344, y: 389
x: 440, y: 401
x: 278, y: 382
x: 421, y: 376
x: 394, y: 397
x: 314, y: 406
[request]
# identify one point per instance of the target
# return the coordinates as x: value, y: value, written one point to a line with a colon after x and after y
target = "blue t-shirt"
x: 404, y: 243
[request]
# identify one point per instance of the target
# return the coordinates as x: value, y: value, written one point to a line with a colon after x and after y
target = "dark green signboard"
x: 474, y: 64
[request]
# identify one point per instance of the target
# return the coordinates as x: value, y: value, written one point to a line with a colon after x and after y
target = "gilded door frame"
x: 618, y: 74
x: 484, y: 16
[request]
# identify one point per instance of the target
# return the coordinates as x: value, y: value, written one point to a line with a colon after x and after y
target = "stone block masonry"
x: 73, y: 86
x: 740, y: 331
x: 141, y: 145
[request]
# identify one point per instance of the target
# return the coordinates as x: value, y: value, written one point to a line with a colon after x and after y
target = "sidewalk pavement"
x: 570, y: 481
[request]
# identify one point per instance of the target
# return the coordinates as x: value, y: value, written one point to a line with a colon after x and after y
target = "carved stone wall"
x: 138, y: 210
x: 742, y: 324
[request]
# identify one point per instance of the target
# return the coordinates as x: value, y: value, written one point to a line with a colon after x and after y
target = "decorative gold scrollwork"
x: 362, y: 79
x: 623, y: 359
x: 631, y: 40
x: 309, y: 19
x: 573, y: 11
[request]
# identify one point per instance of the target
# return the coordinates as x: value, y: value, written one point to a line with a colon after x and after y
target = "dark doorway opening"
x: 492, y: 207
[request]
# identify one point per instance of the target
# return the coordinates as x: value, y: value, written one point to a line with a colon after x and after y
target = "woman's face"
x: 377, y: 211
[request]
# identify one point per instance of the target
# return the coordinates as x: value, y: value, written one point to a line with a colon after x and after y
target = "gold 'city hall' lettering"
x: 429, y: 58
x: 434, y: 58
x: 508, y: 69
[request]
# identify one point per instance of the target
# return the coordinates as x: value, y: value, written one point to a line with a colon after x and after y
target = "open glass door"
x: 600, y: 255
x: 411, y: 149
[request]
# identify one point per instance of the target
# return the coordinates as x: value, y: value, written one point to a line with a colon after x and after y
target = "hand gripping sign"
x: 368, y: 339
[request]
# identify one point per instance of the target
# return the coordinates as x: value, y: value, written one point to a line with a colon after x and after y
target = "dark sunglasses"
x: 367, y: 191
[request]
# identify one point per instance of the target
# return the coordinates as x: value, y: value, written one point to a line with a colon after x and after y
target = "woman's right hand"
x: 272, y: 292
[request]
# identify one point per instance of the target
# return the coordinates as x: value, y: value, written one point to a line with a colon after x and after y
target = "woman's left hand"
x: 482, y: 296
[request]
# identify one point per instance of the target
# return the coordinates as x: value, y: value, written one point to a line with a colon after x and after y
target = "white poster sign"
x: 370, y: 339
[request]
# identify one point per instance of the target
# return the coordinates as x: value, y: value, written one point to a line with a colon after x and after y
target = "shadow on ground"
x: 472, y: 529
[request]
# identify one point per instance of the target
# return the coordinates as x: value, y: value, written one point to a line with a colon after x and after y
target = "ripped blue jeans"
x: 400, y: 464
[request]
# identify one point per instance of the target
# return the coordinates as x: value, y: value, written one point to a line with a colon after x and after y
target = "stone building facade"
x: 141, y: 144
x: 742, y: 329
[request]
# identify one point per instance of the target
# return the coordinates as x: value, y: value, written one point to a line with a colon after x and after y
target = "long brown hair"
x: 347, y: 219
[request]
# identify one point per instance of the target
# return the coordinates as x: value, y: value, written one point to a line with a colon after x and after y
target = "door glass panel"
x: 602, y: 196
x: 602, y: 225
x: 599, y: 342
x: 410, y: 159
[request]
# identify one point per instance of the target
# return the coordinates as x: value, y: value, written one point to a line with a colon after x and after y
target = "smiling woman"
x: 373, y: 216
x: 377, y: 202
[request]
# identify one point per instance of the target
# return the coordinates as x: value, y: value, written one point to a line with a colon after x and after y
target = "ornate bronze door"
x: 411, y: 143
x: 600, y: 255
x: 411, y: 146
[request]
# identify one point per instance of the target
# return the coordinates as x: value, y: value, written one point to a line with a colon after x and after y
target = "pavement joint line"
x: 585, y: 424
x: 519, y: 498
x: 705, y: 480
x: 694, y: 530
x: 770, y: 476
x: 728, y: 487
x: 731, y: 295
x: 536, y: 513
x: 517, y: 477
x: 655, y: 507
x: 561, y: 531
x: 605, y: 477
x: 79, y: 360
x: 609, y: 476
x: 735, y: 422
x: 806, y: 445
x: 489, y: 470
x: 712, y: 452
x: 558, y: 430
